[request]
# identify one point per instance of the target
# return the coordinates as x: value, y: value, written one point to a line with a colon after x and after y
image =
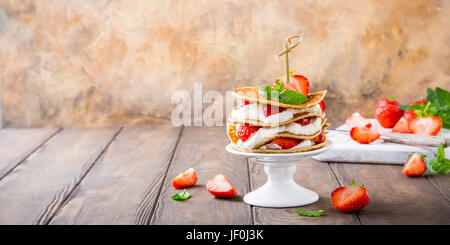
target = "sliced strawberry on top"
x: 350, y: 198
x: 364, y: 135
x: 426, y: 125
x: 220, y: 186
x: 245, y: 131
x: 304, y: 121
x: 285, y: 142
x: 323, y: 106
x: 402, y: 126
x: 356, y: 120
x: 270, y: 110
x: 186, y: 179
x: 298, y: 83
x: 415, y: 166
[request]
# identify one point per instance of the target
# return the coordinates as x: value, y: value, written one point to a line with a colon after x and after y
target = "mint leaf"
x: 309, y: 213
x: 439, y: 164
x: 431, y: 95
x: 279, y: 86
x: 181, y: 196
x: 265, y: 91
x: 442, y: 97
x: 292, y: 97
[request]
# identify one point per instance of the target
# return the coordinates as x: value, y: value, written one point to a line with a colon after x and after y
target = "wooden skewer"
x: 287, y: 49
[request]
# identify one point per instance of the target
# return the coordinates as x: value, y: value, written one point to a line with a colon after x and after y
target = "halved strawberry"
x: 388, y: 112
x: 220, y: 186
x: 364, y: 135
x: 356, y: 120
x: 319, y: 138
x: 243, y: 103
x: 245, y: 131
x: 415, y: 166
x: 426, y: 125
x: 323, y: 106
x: 304, y: 121
x: 269, y: 110
x: 297, y: 83
x: 402, y: 126
x: 350, y: 198
x: 285, y: 142
x: 186, y: 179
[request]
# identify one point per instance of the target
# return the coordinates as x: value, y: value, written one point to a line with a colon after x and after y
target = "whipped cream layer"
x: 255, y: 111
x: 294, y: 128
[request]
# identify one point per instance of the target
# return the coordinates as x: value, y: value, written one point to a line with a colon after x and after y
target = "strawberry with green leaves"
x: 388, y: 112
x: 424, y: 121
x: 415, y: 166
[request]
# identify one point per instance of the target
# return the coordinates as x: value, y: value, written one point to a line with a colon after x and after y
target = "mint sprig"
x: 181, y: 196
x: 439, y: 164
x: 309, y: 213
x: 284, y: 96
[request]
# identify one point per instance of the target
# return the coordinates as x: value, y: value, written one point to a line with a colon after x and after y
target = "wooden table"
x: 122, y: 175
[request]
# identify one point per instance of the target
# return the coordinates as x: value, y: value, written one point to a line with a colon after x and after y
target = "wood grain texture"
x: 440, y: 182
x: 122, y: 186
x: 203, y: 149
x: 17, y: 144
x: 34, y: 189
x: 395, y: 198
x: 313, y: 175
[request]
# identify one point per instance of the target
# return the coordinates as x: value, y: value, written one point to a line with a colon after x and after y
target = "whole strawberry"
x: 388, y: 112
x: 350, y: 198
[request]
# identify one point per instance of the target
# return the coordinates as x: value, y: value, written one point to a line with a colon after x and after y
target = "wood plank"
x: 34, y: 189
x: 441, y: 183
x: 395, y: 198
x: 313, y: 175
x: 18, y: 144
x: 122, y: 186
x: 203, y: 148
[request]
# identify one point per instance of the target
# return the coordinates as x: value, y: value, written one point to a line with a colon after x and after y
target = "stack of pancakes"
x: 283, y: 123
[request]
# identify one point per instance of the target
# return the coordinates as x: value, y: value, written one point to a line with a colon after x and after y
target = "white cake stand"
x: 280, y: 190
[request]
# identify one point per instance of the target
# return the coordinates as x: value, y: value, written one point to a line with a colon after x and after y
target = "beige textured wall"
x: 75, y: 63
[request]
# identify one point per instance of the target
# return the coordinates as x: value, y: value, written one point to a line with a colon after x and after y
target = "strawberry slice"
x: 415, y: 166
x: 319, y: 138
x: 297, y: 83
x: 220, y: 186
x: 245, y: 131
x: 402, y: 126
x: 243, y: 103
x: 356, y: 120
x: 269, y: 110
x: 350, y: 198
x: 426, y: 125
x: 186, y: 179
x: 409, y: 115
x: 364, y: 135
x: 304, y: 121
x: 323, y: 106
x: 285, y: 142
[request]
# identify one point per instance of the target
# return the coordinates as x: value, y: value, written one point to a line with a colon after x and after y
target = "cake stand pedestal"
x: 280, y: 190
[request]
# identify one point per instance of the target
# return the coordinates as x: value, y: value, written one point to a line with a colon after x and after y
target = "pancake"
x: 302, y: 149
x: 251, y: 94
x: 231, y: 131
